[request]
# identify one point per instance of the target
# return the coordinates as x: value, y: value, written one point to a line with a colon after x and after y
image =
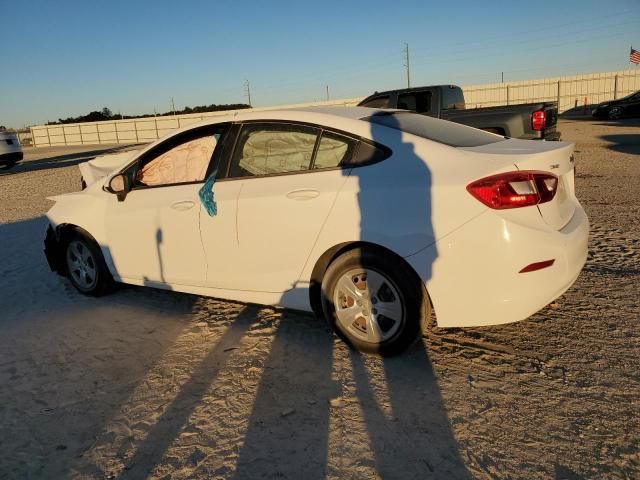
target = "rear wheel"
x: 373, y: 301
x: 615, y: 113
x: 85, y: 266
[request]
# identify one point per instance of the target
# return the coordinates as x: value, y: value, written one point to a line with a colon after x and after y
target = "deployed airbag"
x: 185, y: 163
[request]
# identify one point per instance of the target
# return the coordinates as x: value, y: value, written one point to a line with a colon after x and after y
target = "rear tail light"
x: 514, y: 189
x: 538, y: 120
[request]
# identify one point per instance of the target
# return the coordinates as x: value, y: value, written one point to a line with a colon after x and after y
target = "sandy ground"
x: 153, y: 384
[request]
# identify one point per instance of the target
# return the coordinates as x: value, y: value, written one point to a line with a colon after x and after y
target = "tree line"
x: 107, y: 114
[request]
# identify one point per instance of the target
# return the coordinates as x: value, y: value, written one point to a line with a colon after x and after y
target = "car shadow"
x: 623, y: 122
x: 64, y: 356
x: 624, y: 143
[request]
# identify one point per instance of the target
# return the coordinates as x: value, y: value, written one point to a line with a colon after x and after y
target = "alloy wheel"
x: 81, y: 265
x: 368, y: 305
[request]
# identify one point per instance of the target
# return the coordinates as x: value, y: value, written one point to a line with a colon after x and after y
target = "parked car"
x: 370, y: 218
x: 10, y: 149
x: 628, y: 106
x: 529, y: 121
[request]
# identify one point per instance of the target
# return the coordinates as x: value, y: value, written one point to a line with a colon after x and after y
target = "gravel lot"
x: 153, y: 384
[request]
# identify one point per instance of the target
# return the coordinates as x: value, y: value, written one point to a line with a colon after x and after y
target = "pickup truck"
x: 531, y: 121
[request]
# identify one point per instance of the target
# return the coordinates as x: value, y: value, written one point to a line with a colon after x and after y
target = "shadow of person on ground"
x: 75, y: 359
x: 175, y: 417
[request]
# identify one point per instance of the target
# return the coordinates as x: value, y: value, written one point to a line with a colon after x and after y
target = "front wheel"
x: 374, y: 302
x: 615, y: 113
x: 85, y: 266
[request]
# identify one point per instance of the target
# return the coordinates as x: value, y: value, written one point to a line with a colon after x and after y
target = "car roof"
x: 327, y: 115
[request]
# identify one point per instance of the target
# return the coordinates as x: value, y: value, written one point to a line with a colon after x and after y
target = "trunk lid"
x: 552, y: 157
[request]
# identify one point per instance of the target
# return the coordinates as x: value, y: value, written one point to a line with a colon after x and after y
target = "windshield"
x: 441, y: 131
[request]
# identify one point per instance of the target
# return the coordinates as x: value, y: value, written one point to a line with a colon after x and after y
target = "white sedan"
x: 370, y: 218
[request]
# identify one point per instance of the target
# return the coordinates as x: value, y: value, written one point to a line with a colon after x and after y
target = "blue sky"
x: 66, y: 58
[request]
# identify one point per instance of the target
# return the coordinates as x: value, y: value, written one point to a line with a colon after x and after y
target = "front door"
x: 154, y: 234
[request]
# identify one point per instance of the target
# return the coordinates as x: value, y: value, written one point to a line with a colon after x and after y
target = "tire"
x: 7, y: 166
x: 85, y: 266
x: 615, y: 113
x: 354, y: 311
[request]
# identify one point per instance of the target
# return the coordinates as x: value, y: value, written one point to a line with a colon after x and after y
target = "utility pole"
x: 173, y: 107
x: 502, y: 76
x: 406, y: 64
x: 328, y: 98
x: 247, y: 91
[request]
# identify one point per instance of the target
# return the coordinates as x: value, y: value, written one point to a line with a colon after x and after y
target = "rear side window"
x: 419, y: 102
x: 378, y: 102
x: 368, y: 153
x: 269, y: 149
x: 334, y: 150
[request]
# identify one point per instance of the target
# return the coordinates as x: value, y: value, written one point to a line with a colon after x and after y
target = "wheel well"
x: 62, y: 233
x: 65, y: 230
x: 315, y: 283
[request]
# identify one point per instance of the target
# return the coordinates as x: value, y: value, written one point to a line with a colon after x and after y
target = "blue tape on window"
x: 206, y: 195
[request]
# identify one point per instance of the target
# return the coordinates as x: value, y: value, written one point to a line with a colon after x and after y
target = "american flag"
x: 634, y: 56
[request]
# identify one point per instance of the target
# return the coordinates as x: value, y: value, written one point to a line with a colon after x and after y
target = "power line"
x: 537, y: 30
x: 389, y: 64
x: 508, y: 48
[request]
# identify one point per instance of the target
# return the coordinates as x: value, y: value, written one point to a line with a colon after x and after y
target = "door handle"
x: 303, y: 194
x: 182, y: 205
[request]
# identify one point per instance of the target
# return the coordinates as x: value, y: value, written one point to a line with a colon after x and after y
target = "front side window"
x: 184, y: 163
x: 269, y: 149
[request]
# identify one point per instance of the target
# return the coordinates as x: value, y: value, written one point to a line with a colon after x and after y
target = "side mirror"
x: 120, y: 186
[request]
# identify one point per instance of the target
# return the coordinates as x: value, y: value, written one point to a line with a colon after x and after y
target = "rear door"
x: 288, y: 176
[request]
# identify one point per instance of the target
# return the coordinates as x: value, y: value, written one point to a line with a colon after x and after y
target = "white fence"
x: 569, y: 92
x: 138, y: 130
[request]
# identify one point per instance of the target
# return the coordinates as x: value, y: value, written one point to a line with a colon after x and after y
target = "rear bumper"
x: 472, y: 275
x: 10, y: 158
